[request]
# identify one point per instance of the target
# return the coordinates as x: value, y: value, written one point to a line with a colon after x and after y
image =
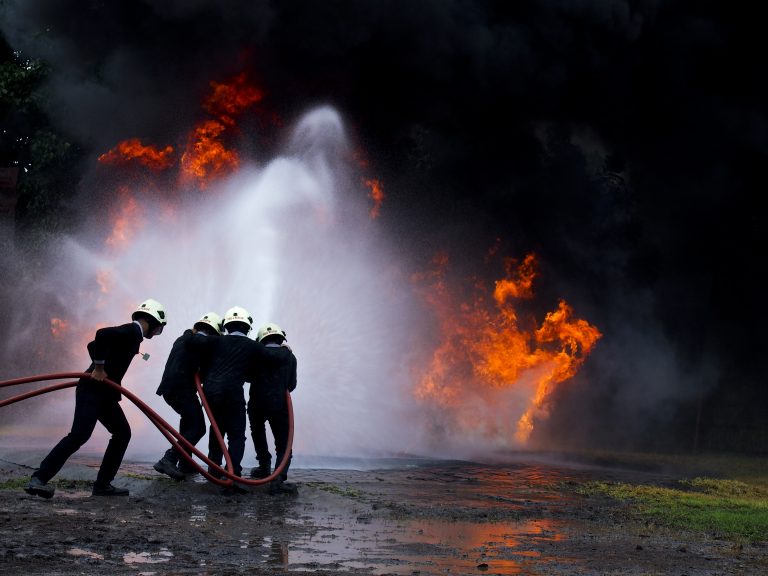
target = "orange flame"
x: 485, y: 348
x: 376, y: 194
x: 519, y: 283
x: 206, y: 157
x: 229, y: 100
x: 134, y: 150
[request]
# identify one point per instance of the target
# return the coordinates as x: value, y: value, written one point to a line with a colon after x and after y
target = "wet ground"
x: 397, y: 516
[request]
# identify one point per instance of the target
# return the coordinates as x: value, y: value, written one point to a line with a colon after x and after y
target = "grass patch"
x: 20, y: 483
x: 726, y: 508
x: 14, y: 483
x: 750, y: 469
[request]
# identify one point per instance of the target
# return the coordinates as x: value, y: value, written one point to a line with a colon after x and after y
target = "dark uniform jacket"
x: 180, y: 368
x: 270, y: 382
x: 230, y: 359
x: 116, y: 346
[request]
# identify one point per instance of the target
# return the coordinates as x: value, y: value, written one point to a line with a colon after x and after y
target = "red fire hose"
x: 181, y: 444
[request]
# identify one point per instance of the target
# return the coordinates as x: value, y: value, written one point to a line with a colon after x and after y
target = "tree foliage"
x: 48, y: 161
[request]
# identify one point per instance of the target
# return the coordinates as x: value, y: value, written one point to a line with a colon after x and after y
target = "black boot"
x: 37, y: 487
x: 279, y: 486
x: 166, y: 466
x: 109, y: 490
x: 261, y: 472
x: 187, y: 468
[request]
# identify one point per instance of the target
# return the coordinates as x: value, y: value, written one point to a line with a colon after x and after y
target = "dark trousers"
x: 278, y: 424
x: 91, y: 405
x: 229, y: 412
x: 192, y: 424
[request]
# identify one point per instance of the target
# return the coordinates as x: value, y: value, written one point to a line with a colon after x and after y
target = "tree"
x: 48, y: 161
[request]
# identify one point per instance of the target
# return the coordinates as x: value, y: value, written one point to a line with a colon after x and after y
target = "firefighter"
x: 111, y: 352
x: 267, y: 403
x: 230, y: 358
x: 178, y: 389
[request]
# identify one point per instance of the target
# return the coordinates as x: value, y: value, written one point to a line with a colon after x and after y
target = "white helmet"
x: 269, y: 329
x: 213, y: 320
x: 151, y: 308
x: 238, y: 314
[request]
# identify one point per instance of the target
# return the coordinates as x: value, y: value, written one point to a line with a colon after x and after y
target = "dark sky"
x: 624, y: 142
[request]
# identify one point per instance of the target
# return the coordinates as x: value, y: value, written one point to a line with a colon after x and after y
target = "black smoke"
x: 623, y: 141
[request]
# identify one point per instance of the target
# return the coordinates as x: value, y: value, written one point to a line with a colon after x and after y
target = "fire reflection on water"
x: 426, y: 546
x: 475, y: 525
x: 472, y: 526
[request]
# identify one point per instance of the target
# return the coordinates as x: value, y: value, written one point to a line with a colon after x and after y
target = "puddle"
x: 148, y: 557
x: 420, y: 546
x: 488, y: 538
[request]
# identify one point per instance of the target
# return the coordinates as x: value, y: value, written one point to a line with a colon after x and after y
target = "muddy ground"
x: 401, y: 516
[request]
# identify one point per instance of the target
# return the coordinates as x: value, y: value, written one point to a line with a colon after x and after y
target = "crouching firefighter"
x: 111, y: 352
x: 178, y: 389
